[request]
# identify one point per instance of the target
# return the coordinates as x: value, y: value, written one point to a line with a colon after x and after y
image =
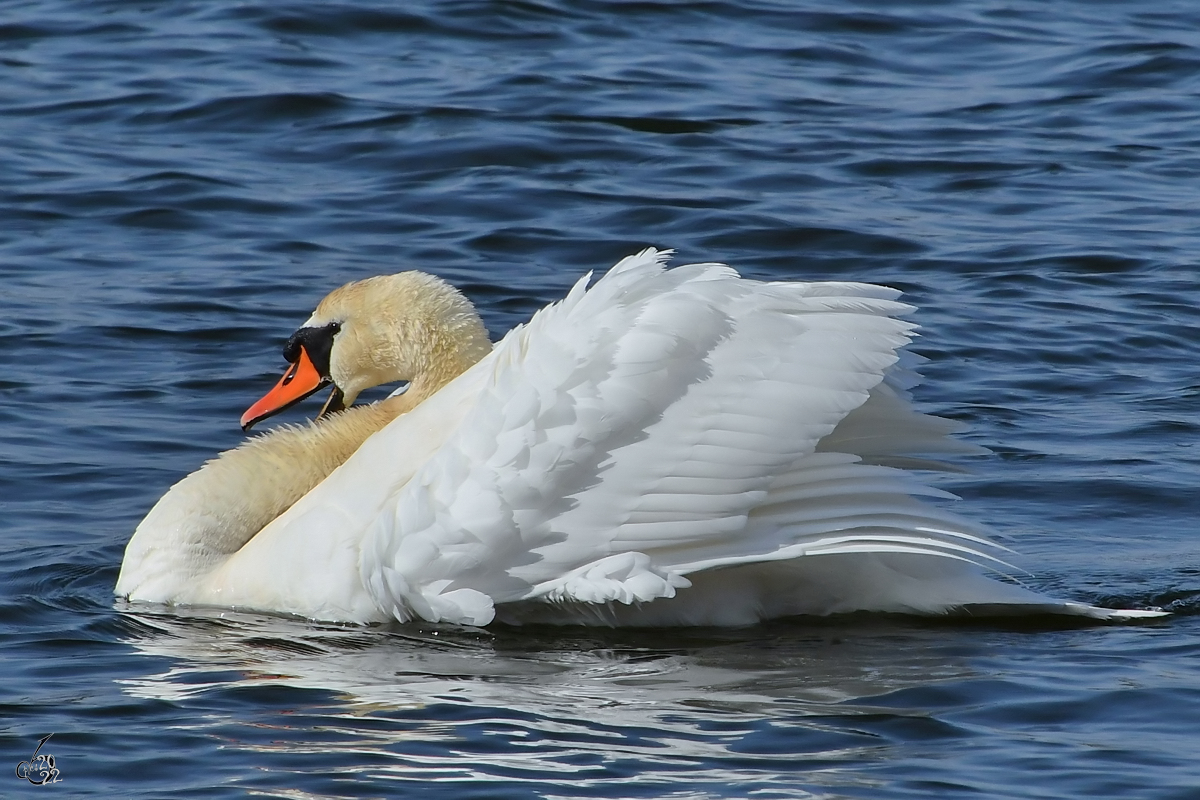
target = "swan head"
x: 406, y: 327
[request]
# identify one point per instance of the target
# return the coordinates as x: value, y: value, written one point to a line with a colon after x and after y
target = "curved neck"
x: 209, y: 515
x: 447, y: 360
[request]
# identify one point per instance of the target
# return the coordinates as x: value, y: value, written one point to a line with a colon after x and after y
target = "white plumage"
x: 667, y: 447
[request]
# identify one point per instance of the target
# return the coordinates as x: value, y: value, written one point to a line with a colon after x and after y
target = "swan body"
x: 667, y: 447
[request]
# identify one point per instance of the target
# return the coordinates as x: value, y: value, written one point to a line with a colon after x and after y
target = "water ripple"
x: 183, y: 183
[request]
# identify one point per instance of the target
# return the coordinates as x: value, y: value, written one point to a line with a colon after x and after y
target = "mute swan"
x: 667, y: 447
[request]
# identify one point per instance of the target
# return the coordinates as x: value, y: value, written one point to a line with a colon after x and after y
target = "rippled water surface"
x: 182, y: 181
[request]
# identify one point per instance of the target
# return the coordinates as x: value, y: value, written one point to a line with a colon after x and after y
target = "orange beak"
x: 301, y: 380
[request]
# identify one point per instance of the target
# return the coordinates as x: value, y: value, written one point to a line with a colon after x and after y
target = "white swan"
x: 668, y: 447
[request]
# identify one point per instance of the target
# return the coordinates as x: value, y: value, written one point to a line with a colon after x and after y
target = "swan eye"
x: 317, y: 342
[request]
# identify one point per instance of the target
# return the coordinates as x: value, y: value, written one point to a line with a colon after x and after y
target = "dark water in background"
x: 180, y: 182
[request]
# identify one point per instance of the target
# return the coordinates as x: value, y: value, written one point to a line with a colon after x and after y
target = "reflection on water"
x: 574, y: 670
x: 577, y: 707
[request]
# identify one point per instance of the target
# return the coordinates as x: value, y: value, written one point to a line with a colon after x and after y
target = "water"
x: 181, y: 182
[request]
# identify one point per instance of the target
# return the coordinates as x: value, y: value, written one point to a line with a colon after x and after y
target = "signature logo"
x: 39, y: 769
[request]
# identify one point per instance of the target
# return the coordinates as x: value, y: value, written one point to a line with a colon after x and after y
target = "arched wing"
x: 659, y: 422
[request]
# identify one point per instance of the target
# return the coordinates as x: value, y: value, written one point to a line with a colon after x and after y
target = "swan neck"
x: 446, y: 352
x: 211, y: 514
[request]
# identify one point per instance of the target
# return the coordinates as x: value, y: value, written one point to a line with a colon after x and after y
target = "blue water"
x: 181, y: 182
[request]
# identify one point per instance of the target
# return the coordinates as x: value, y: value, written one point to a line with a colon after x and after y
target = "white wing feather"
x: 659, y: 424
